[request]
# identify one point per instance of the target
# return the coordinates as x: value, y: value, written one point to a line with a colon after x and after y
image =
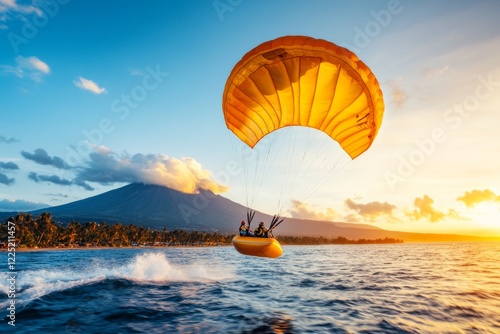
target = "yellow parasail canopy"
x: 302, y: 81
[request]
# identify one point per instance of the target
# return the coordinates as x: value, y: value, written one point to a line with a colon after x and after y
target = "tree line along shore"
x: 43, y: 232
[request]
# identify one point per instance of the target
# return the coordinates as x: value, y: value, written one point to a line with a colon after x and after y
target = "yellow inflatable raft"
x: 264, y: 247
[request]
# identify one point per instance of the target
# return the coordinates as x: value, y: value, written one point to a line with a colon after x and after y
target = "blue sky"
x: 98, y: 94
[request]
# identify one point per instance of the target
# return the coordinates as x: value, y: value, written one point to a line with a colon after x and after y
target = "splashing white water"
x: 146, y: 268
x: 154, y: 267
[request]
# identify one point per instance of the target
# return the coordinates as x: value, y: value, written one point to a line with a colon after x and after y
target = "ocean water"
x: 403, y: 288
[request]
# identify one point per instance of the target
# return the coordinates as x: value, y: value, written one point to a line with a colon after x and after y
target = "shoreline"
x: 50, y: 249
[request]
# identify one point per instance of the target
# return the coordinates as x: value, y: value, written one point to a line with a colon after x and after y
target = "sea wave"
x: 150, y: 267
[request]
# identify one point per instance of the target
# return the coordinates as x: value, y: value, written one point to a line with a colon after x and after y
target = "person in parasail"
x: 244, y: 230
x: 261, y: 231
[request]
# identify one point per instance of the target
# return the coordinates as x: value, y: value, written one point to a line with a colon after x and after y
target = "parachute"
x: 302, y: 81
x: 299, y: 81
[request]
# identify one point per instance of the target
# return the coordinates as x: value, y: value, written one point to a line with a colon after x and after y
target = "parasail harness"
x: 274, y: 222
x: 250, y: 214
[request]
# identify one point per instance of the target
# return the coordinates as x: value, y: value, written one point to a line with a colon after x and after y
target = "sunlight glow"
x: 486, y: 214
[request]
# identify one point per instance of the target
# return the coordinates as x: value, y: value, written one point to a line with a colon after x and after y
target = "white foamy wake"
x: 154, y: 267
x: 146, y: 268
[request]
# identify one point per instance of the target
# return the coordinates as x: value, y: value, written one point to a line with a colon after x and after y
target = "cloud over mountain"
x: 105, y: 167
x: 185, y: 174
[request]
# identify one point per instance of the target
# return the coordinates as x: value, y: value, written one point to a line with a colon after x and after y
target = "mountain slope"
x: 154, y: 206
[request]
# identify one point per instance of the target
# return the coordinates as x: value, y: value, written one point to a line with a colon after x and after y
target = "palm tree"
x: 46, y: 228
x: 118, y: 235
x: 103, y: 233
x: 71, y: 233
x: 24, y: 234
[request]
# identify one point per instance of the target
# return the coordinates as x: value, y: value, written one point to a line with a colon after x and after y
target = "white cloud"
x: 33, y: 63
x: 303, y: 210
x: 20, y: 205
x: 89, y: 85
x: 10, y: 8
x: 371, y: 210
x: 398, y: 96
x: 184, y: 174
x: 137, y: 72
x: 472, y: 198
x: 27, y: 67
x: 424, y: 209
x: 429, y: 72
x: 6, y: 4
